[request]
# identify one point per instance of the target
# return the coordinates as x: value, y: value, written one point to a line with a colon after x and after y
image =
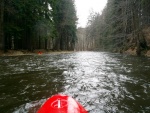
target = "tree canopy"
x: 37, y: 24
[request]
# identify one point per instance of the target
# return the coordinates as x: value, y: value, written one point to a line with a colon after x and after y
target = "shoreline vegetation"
x: 32, y: 25
x: 26, y: 52
x: 42, y: 51
x: 134, y: 52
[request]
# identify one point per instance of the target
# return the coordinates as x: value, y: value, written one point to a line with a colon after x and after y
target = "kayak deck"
x: 61, y: 104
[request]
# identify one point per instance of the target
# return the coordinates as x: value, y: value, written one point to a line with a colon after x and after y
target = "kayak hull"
x: 61, y: 104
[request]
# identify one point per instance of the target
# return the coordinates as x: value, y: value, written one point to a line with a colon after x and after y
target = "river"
x: 102, y: 82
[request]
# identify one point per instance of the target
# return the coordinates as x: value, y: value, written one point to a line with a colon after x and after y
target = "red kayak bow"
x: 61, y: 104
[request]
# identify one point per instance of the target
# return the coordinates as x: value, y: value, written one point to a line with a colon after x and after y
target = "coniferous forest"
x: 37, y: 24
x: 124, y: 25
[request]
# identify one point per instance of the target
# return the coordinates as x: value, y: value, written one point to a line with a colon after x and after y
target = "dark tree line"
x: 120, y: 26
x: 37, y: 24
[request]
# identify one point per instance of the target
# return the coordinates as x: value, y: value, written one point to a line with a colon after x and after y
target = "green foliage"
x: 65, y: 22
x: 35, y: 20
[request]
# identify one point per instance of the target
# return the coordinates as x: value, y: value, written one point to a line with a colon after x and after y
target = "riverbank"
x: 42, y: 51
x: 133, y: 52
x: 26, y: 52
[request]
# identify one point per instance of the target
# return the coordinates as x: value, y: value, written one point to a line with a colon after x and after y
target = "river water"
x: 102, y: 82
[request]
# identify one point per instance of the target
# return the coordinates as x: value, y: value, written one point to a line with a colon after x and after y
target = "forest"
x: 37, y: 24
x: 123, y: 26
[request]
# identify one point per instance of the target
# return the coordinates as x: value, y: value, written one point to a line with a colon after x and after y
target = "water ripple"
x: 102, y: 82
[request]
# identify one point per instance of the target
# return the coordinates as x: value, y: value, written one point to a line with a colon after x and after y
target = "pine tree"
x: 1, y: 24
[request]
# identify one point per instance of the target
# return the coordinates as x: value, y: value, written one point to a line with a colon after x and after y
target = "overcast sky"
x: 84, y: 7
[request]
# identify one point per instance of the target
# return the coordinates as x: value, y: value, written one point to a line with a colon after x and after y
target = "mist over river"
x: 102, y: 82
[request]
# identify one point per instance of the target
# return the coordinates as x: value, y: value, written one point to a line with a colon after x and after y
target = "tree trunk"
x: 39, y: 47
x: 46, y: 43
x: 1, y: 24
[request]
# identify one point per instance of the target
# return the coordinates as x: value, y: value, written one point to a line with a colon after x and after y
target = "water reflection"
x: 101, y: 82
